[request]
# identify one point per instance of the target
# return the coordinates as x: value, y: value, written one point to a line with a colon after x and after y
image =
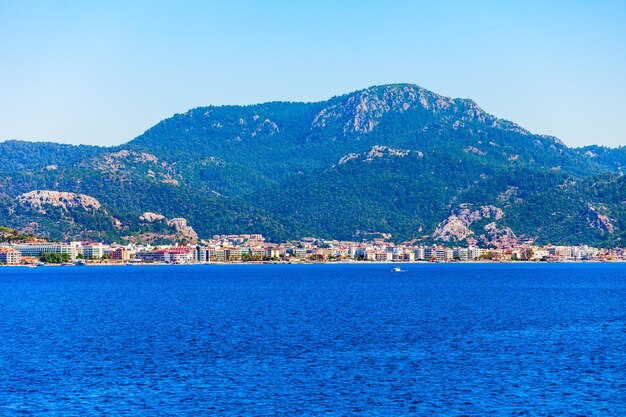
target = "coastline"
x: 363, y: 263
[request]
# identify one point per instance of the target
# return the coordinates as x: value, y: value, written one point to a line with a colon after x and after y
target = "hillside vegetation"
x: 395, y: 159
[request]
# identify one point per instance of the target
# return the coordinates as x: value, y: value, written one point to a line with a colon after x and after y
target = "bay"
x: 444, y: 339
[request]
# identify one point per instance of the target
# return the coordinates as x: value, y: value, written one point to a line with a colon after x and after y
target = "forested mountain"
x: 393, y: 159
x: 612, y: 158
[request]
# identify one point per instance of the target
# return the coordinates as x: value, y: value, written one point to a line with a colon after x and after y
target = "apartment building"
x: 37, y: 249
x: 10, y: 256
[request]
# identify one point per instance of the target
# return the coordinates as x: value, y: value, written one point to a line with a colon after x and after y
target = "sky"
x: 95, y: 72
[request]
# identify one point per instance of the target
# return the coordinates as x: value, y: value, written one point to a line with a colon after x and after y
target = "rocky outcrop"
x: 248, y: 126
x: 599, y: 221
x: 453, y: 229
x: 359, y: 113
x: 457, y: 226
x: 473, y: 149
x: 116, y: 161
x: 212, y: 161
x: 498, y: 236
x: 362, y: 111
x: 125, y: 163
x: 181, y: 228
x: 507, y: 195
x: 150, y: 217
x: 265, y: 128
x: 376, y: 152
x: 39, y: 199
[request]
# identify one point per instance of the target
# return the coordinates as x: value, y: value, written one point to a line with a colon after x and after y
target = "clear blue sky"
x: 102, y: 72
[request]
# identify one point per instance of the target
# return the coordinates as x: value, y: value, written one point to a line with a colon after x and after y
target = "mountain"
x: 393, y: 159
x: 612, y: 158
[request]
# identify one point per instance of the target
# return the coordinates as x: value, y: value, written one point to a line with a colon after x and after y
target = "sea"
x: 305, y: 340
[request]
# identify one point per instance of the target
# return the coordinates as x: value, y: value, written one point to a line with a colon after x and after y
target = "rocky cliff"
x: 39, y: 199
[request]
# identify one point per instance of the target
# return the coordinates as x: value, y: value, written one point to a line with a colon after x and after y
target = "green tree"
x: 54, y: 258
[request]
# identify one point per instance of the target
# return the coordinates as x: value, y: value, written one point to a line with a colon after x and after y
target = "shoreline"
x: 154, y: 264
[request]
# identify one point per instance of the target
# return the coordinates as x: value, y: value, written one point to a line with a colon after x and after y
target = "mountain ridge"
x: 395, y: 158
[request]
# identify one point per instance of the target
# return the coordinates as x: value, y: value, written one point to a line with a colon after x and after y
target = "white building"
x: 10, y: 256
x: 92, y: 250
x: 461, y: 254
x: 475, y: 252
x: 37, y: 249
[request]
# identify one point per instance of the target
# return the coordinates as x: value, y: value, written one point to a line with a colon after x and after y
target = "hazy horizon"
x: 102, y: 74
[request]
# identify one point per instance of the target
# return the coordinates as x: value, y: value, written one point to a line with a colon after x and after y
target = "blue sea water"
x: 449, y: 339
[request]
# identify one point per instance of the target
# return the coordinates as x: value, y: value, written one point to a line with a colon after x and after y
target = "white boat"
x: 396, y: 269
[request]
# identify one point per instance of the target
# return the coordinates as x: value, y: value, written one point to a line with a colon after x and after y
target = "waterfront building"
x: 539, y: 254
x: 153, y: 256
x: 10, y: 256
x: 404, y: 257
x: 218, y: 255
x: 560, y: 252
x: 409, y: 256
x: 175, y: 255
x: 462, y: 254
x: 443, y: 254
x: 382, y: 256
x: 92, y: 250
x: 339, y: 252
x: 369, y: 255
x: 179, y: 255
x: 322, y: 253
x: 583, y: 252
x: 272, y: 253
x: 120, y: 254
x: 475, y: 252
x: 232, y: 254
x: 203, y: 254
x: 299, y: 252
x: 37, y: 249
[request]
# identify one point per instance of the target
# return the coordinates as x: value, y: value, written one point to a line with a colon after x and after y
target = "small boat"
x: 396, y: 269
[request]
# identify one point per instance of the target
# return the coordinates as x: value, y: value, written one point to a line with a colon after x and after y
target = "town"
x: 253, y: 248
